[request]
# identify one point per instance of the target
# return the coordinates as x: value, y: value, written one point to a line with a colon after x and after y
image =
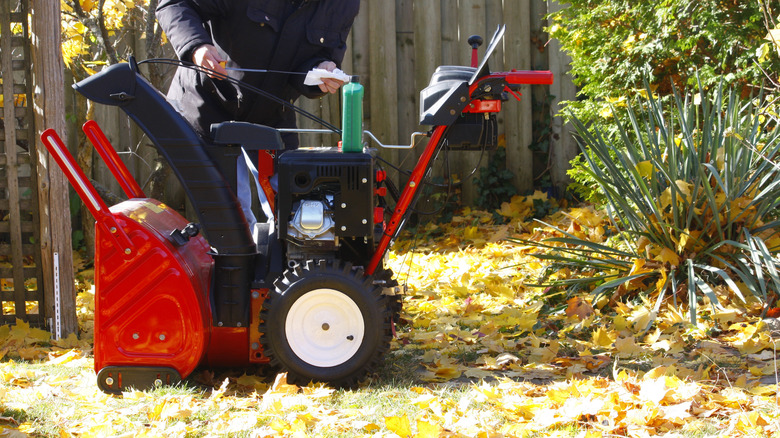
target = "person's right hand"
x: 207, y: 56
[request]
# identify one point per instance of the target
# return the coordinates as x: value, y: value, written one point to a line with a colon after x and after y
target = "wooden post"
x: 518, y: 116
x: 472, y: 20
x: 450, y: 42
x: 384, y: 76
x: 563, y: 147
x: 427, y: 41
x: 428, y: 36
x: 407, y: 92
x: 53, y: 185
x: 361, y: 47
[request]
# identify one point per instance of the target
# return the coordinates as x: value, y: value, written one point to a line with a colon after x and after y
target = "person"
x: 289, y: 37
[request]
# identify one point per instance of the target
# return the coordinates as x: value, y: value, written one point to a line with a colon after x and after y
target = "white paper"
x: 315, y: 76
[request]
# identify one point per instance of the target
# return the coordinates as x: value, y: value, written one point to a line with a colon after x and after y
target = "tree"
x: 96, y: 33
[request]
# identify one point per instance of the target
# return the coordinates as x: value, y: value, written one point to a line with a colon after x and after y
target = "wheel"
x: 325, y: 322
x: 394, y: 301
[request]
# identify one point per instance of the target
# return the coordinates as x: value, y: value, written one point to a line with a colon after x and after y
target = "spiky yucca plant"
x: 693, y: 191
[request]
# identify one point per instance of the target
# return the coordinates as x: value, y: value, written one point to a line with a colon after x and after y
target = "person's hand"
x: 207, y: 56
x: 329, y: 85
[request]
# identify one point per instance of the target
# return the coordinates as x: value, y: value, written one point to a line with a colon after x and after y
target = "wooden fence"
x: 394, y: 47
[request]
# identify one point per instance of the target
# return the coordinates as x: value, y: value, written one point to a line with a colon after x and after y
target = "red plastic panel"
x: 151, y: 309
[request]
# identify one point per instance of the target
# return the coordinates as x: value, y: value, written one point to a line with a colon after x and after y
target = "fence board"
x: 519, y: 115
x: 472, y: 20
x: 562, y: 145
x: 383, y: 75
x: 52, y: 184
x: 406, y: 65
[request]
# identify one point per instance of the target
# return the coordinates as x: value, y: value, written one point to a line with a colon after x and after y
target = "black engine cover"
x: 348, y: 176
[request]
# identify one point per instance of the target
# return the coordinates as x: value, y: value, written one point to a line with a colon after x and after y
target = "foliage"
x: 694, y: 190
x: 92, y: 31
x: 494, y: 184
x: 614, y: 44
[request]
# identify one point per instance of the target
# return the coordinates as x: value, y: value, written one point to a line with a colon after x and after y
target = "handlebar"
x: 527, y: 77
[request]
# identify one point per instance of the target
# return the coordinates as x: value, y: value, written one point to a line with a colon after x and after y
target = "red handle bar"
x: 527, y: 77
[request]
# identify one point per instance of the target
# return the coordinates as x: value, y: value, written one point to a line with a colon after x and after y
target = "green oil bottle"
x: 352, y: 117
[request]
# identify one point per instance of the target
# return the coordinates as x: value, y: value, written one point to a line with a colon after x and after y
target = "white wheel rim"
x: 324, y: 327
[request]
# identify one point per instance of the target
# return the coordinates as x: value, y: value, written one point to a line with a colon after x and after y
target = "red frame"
x: 513, y: 77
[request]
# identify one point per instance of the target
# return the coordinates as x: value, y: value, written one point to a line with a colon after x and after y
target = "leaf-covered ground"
x: 478, y: 353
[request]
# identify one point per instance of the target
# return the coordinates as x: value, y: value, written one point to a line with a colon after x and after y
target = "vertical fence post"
x: 563, y: 147
x: 384, y: 75
x: 518, y: 116
x: 53, y: 185
x: 472, y: 20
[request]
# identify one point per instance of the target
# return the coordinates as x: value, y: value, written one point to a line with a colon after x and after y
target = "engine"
x: 327, y: 205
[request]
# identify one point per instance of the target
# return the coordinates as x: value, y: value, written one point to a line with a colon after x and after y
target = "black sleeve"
x: 184, y: 23
x: 337, y: 25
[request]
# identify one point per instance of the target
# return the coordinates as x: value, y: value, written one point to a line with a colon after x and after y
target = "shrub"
x: 693, y: 190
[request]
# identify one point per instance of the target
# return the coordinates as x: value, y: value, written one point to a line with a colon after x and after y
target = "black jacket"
x: 255, y: 34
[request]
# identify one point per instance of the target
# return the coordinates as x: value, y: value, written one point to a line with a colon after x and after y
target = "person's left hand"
x: 329, y: 85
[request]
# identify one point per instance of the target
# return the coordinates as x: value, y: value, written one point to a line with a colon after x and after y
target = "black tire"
x: 394, y: 301
x: 327, y: 308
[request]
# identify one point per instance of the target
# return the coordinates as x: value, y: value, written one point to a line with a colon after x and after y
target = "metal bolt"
x: 109, y: 381
x: 255, y: 346
x: 219, y: 324
x: 162, y: 337
x: 488, y: 88
x: 238, y: 324
x: 136, y: 336
x: 462, y: 99
x: 325, y: 326
x: 113, y: 230
x: 128, y: 251
x: 255, y: 294
x: 350, y: 338
x: 343, y: 205
x: 157, y: 382
x: 412, y: 184
x: 343, y: 228
x: 365, y: 221
x: 452, y: 112
x: 365, y: 180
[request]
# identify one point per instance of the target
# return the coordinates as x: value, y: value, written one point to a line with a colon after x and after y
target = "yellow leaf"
x: 371, y: 427
x: 586, y: 216
x: 87, y: 5
x: 428, y: 430
x: 653, y: 391
x: 578, y: 307
x: 399, y: 426
x: 668, y: 256
x: 645, y: 169
x: 764, y: 390
x: 280, y: 386
x: 64, y: 358
x: 627, y: 347
x: 602, y: 338
x: 253, y: 382
x: 471, y: 233
x: 774, y: 37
